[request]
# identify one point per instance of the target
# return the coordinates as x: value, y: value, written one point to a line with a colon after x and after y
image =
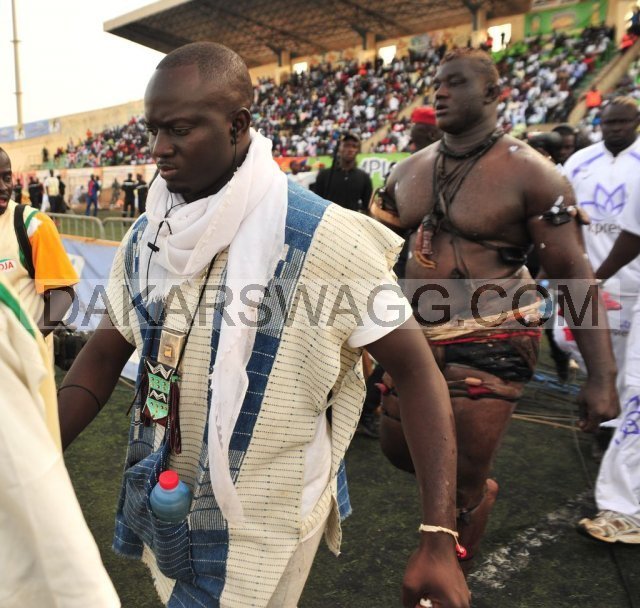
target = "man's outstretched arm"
x: 625, y: 250
x: 563, y: 257
x: 94, y: 373
x: 427, y: 420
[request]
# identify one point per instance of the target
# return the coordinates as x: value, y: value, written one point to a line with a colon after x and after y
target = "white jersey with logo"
x: 607, y: 186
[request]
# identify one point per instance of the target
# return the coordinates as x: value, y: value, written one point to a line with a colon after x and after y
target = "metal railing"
x: 78, y: 225
x: 116, y: 227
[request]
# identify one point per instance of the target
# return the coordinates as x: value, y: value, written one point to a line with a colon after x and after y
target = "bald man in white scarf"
x: 271, y: 480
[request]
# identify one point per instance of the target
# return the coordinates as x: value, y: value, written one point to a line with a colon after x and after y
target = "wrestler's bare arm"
x: 427, y: 420
x: 97, y: 369
x: 410, y: 186
x: 562, y: 256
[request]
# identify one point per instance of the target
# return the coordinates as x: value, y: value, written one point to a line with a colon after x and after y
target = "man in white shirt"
x: 48, y: 557
x: 618, y: 485
x: 52, y: 187
x: 606, y: 180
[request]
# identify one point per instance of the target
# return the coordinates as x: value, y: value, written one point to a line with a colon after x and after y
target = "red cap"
x: 425, y: 115
x: 168, y: 480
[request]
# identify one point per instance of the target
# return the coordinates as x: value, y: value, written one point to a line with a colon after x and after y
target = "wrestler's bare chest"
x: 488, y: 205
x: 480, y: 231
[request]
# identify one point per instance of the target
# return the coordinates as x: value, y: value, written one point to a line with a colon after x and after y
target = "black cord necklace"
x: 154, y: 248
x: 479, y: 150
x: 444, y: 188
x: 447, y: 184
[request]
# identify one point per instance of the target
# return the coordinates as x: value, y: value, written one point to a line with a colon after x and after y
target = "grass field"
x: 531, y: 558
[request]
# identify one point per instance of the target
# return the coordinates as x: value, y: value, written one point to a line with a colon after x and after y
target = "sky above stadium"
x: 68, y: 63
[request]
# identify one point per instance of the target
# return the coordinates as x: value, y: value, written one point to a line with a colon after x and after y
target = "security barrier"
x: 116, y: 227
x: 78, y: 225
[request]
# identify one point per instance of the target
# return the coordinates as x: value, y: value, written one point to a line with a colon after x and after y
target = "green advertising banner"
x: 575, y: 16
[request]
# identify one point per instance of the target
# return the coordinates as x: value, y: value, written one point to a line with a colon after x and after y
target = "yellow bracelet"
x: 461, y: 552
x: 425, y: 528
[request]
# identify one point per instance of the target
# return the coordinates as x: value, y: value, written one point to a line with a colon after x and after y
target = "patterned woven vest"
x: 195, y: 551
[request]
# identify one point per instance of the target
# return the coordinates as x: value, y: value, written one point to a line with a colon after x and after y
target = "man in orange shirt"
x: 593, y: 98
x: 43, y: 280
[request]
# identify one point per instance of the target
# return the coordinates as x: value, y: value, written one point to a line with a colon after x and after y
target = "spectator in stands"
x: 142, y: 189
x: 36, y: 192
x: 627, y: 41
x: 93, y: 192
x: 343, y: 183
x: 41, y: 273
x: 49, y: 557
x: 634, y: 26
x: 424, y: 131
x: 593, y: 98
x: 129, y: 189
x: 567, y: 147
x: 487, y: 45
x: 52, y: 188
x: 45, y: 155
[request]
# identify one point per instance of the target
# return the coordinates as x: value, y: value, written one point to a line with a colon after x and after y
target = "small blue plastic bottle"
x: 170, y: 498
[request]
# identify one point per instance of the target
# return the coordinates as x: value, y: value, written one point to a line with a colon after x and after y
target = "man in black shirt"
x: 36, y: 192
x: 345, y: 184
x: 17, y: 191
x: 142, y: 189
x: 63, y: 188
x: 129, y: 189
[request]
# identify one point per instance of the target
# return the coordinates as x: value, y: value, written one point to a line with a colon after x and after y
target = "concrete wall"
x: 28, y: 152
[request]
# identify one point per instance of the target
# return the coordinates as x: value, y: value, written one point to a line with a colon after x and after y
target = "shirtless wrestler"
x: 477, y: 202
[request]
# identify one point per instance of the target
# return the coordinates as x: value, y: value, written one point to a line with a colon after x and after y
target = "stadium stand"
x: 305, y: 115
x: 628, y: 85
x: 540, y: 76
x: 120, y: 145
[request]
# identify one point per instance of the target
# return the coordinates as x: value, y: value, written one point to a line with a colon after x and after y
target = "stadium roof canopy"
x: 260, y: 29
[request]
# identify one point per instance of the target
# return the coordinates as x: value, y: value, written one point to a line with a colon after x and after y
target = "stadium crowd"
x: 539, y: 76
x: 120, y: 145
x: 628, y: 86
x: 305, y: 115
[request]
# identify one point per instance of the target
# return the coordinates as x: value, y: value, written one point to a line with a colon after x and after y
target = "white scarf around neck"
x: 248, y: 216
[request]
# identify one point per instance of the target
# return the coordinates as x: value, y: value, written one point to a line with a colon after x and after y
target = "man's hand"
x: 427, y: 421
x: 598, y: 402
x: 433, y: 573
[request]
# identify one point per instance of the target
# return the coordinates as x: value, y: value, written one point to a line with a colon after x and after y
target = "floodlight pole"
x: 16, y: 61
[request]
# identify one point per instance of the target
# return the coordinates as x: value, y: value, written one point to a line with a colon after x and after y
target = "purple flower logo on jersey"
x: 606, y: 205
x: 630, y: 424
